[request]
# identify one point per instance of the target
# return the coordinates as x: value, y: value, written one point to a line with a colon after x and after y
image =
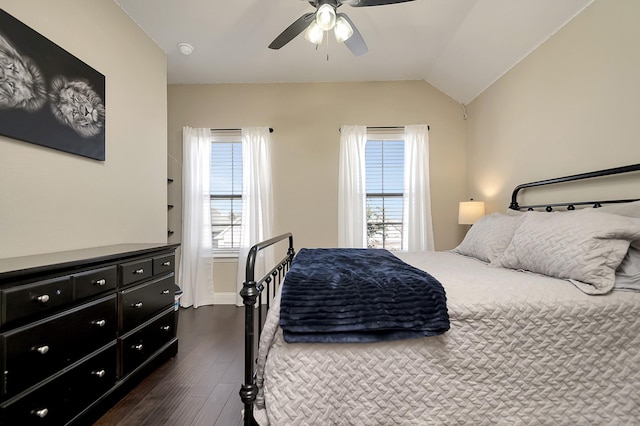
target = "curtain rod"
x: 388, y: 127
x: 236, y: 130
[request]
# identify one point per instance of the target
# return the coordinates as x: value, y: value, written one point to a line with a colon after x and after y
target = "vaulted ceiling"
x: 459, y: 46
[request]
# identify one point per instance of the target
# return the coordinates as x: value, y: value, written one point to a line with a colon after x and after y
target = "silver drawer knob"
x: 42, y: 349
x: 99, y: 373
x: 139, y: 271
x: 41, y: 413
x: 100, y: 282
x: 165, y: 327
x: 137, y: 347
x: 165, y: 292
x: 166, y: 264
x: 43, y: 299
x: 99, y: 323
x: 137, y: 305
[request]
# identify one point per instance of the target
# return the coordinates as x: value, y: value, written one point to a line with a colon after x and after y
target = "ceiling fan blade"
x: 355, y: 43
x: 292, y: 31
x: 363, y: 3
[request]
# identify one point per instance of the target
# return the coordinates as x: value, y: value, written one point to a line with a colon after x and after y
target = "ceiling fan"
x: 326, y: 18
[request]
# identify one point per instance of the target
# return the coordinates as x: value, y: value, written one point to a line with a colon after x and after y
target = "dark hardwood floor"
x: 200, y: 385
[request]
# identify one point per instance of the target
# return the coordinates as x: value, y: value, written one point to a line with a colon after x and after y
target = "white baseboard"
x: 228, y: 298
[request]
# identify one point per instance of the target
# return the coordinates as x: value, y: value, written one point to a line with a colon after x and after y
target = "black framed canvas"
x: 48, y: 96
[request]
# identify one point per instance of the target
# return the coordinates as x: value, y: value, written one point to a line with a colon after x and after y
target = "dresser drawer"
x: 138, y: 270
x: 35, y: 298
x: 140, y: 344
x: 93, y: 282
x: 163, y: 264
x: 96, y: 322
x: 92, y: 378
x: 42, y: 406
x: 139, y: 303
x: 33, y: 352
x: 57, y: 401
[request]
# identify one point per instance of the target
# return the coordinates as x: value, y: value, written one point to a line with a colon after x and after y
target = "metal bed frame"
x: 252, y: 289
x: 571, y: 205
x: 251, y: 295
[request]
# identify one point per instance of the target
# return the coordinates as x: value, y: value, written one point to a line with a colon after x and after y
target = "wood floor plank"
x: 186, y: 411
x: 235, y: 369
x: 212, y: 409
x: 232, y: 412
x: 210, y: 378
x: 200, y: 385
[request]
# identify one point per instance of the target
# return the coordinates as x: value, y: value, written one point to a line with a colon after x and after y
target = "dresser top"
x: 18, y: 267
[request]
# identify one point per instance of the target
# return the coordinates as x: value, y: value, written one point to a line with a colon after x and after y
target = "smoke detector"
x: 185, y: 48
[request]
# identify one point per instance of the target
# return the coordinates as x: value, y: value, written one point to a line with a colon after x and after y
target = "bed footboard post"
x: 249, y: 390
x: 250, y: 293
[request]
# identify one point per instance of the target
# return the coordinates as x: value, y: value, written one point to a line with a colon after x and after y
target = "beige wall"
x: 51, y: 200
x: 569, y: 107
x: 306, y: 119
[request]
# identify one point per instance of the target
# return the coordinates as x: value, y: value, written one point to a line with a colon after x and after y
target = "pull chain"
x: 327, y: 39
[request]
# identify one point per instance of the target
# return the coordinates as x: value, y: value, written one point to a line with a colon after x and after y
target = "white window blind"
x: 226, y: 191
x: 384, y: 158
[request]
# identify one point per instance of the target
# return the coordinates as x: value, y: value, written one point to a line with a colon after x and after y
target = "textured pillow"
x: 622, y: 209
x: 628, y: 273
x: 488, y: 237
x: 512, y: 212
x: 585, y: 247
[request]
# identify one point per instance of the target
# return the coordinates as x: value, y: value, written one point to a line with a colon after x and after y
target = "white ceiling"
x: 459, y: 46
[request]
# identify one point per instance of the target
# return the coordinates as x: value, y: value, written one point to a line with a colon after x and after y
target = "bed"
x: 544, y: 328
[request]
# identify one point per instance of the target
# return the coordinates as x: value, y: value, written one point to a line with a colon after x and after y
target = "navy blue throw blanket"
x: 359, y: 295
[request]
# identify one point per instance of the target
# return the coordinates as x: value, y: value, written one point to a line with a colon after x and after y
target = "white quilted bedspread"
x: 522, y: 349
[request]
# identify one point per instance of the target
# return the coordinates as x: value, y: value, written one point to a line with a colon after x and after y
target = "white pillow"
x: 622, y: 209
x: 628, y: 273
x: 512, y: 212
x: 488, y: 237
x: 585, y: 247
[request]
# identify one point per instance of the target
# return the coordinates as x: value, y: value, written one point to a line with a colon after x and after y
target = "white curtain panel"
x: 352, y: 220
x: 418, y: 229
x: 257, y: 201
x: 195, y: 276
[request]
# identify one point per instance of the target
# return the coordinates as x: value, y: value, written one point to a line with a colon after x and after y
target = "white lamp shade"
x: 342, y: 30
x: 314, y: 33
x: 470, y: 211
x: 326, y: 17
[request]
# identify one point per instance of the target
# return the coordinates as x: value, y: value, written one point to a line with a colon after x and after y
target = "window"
x: 384, y: 162
x: 226, y: 191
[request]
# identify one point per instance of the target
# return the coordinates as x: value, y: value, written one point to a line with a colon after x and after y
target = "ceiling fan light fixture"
x: 314, y: 33
x: 326, y: 17
x: 342, y: 30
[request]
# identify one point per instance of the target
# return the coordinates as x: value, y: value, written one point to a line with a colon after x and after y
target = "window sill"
x: 225, y: 256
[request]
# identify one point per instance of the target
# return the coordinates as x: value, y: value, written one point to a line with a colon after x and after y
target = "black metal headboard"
x: 571, y: 205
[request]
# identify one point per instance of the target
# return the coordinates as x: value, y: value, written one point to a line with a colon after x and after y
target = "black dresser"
x: 79, y: 329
